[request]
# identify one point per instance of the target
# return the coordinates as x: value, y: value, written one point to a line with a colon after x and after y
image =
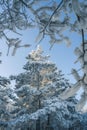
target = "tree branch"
x: 82, y: 31
x: 53, y: 14
x: 49, y: 21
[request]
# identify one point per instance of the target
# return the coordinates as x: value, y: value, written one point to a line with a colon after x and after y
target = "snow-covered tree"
x: 74, y: 20
x: 81, y: 81
x: 40, y: 82
x: 6, y: 100
x: 38, y: 106
x: 55, y: 115
x: 52, y: 18
x: 55, y: 26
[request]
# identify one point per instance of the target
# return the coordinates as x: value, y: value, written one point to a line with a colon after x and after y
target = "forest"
x: 42, y: 98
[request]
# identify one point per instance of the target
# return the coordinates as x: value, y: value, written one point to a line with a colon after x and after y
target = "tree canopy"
x: 53, y: 19
x: 35, y: 102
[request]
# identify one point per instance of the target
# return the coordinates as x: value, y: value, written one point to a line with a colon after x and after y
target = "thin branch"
x: 77, y: 70
x: 82, y: 31
x: 49, y: 21
x: 83, y: 41
x: 24, y: 3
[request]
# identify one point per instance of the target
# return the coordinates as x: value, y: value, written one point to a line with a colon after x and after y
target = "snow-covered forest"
x: 42, y: 98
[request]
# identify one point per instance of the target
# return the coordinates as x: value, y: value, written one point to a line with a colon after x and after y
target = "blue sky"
x: 61, y: 55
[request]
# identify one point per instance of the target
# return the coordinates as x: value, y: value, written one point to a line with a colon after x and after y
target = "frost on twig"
x: 81, y: 53
x: 15, y: 43
x: 55, y: 108
x: 82, y: 102
x: 70, y: 91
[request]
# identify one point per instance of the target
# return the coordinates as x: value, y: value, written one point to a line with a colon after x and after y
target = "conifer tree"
x: 41, y: 81
x: 41, y: 76
x: 6, y: 101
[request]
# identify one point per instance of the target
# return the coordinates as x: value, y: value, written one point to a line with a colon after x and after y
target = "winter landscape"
x: 42, y: 95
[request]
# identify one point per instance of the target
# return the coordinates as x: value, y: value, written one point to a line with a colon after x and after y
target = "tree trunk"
x: 38, y: 124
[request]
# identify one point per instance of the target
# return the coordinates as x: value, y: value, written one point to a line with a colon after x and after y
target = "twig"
x: 49, y: 21
x: 77, y: 71
x: 82, y: 31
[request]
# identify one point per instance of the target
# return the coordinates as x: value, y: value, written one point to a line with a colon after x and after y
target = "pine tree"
x: 41, y: 76
x: 6, y: 101
x: 41, y: 81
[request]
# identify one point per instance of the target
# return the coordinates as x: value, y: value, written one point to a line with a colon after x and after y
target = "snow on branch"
x: 53, y: 105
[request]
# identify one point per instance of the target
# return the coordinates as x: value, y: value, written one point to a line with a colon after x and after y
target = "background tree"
x: 52, y: 18
x: 41, y: 81
x: 6, y: 101
x: 56, y: 114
